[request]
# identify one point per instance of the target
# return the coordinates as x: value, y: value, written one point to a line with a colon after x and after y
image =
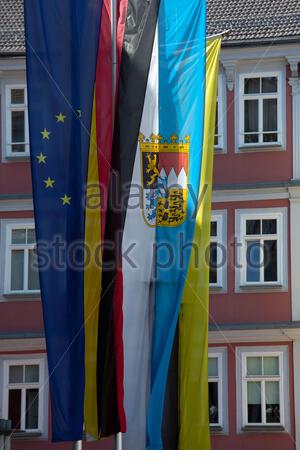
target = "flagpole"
x: 113, y: 11
x: 77, y: 445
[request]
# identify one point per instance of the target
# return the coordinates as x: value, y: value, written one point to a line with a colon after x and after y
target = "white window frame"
x: 241, y: 354
x: 241, y: 216
x: 42, y: 385
x: 221, y: 354
x: 10, y: 226
x: 220, y: 217
x: 8, y: 110
x: 279, y: 75
x: 221, y: 106
x: 263, y: 380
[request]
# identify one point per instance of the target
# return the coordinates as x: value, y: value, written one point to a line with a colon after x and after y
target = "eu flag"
x: 61, y: 51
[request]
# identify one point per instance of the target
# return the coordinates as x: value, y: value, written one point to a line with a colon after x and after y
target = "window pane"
x: 270, y: 115
x: 254, y: 402
x: 253, y: 227
x: 32, y: 409
x: 269, y: 226
x: 213, y: 272
x: 213, y: 229
x: 18, y: 236
x: 33, y: 272
x: 269, y: 85
x: 31, y: 373
x: 17, y: 96
x: 272, y: 402
x: 271, y: 366
x: 270, y: 260
x: 17, y: 126
x: 14, y: 408
x: 18, y: 148
x: 17, y: 270
x: 213, y: 367
x: 253, y: 261
x: 272, y: 137
x: 216, y: 122
x: 15, y: 374
x: 251, y: 138
x: 252, y: 85
x: 31, y: 235
x: 251, y: 116
x: 213, y: 402
x: 254, y: 365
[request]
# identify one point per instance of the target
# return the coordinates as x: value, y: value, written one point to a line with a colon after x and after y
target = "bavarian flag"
x: 163, y: 155
x: 69, y: 78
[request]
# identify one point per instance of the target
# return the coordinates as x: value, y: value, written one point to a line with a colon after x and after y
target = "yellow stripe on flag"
x: 193, y: 320
x: 92, y: 285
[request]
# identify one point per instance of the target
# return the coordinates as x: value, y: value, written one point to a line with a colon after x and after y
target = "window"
x: 219, y: 126
x: 261, y: 247
x: 262, y: 387
x: 17, y: 135
x: 214, y: 389
x: 21, y: 272
x: 24, y: 394
x: 218, y: 252
x: 217, y: 388
x: 260, y: 109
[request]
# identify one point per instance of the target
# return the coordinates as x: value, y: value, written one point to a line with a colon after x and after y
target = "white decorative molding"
x: 254, y: 336
x: 295, y: 84
x: 251, y: 194
x: 16, y: 205
x: 229, y: 68
x: 295, y: 250
x: 24, y: 344
x: 293, y: 61
x: 296, y: 356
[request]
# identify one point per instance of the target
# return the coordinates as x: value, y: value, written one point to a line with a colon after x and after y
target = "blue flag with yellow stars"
x: 61, y: 53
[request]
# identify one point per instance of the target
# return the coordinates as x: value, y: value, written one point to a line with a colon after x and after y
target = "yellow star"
x: 49, y: 182
x: 60, y: 117
x: 41, y: 158
x: 78, y: 111
x: 66, y: 200
x: 45, y: 134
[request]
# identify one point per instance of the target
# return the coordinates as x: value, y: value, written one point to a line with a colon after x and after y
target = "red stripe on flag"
x: 104, y: 116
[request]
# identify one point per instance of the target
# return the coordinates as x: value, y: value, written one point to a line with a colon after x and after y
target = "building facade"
x: 254, y: 337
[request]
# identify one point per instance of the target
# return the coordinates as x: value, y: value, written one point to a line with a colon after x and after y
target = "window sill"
x: 263, y: 429
x: 261, y: 286
x: 26, y: 435
x: 21, y: 295
x: 259, y: 147
x: 18, y: 159
x: 216, y: 429
x: 216, y: 289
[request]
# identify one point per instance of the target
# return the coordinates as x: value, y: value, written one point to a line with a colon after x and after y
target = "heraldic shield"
x: 164, y: 172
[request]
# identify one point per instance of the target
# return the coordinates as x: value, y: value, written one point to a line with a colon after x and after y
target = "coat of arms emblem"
x: 164, y: 168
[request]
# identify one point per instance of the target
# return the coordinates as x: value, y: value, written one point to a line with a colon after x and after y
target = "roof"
x: 254, y: 20
x: 12, y: 39
x: 247, y: 21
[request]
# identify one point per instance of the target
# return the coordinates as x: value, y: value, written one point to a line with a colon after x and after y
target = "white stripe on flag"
x: 137, y: 302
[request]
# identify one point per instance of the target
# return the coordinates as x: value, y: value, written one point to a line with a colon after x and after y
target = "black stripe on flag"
x: 135, y: 63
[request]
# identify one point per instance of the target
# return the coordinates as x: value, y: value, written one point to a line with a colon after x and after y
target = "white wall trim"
x: 296, y: 356
x: 24, y: 344
x: 253, y: 194
x: 16, y: 205
x: 295, y: 250
x: 254, y: 336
